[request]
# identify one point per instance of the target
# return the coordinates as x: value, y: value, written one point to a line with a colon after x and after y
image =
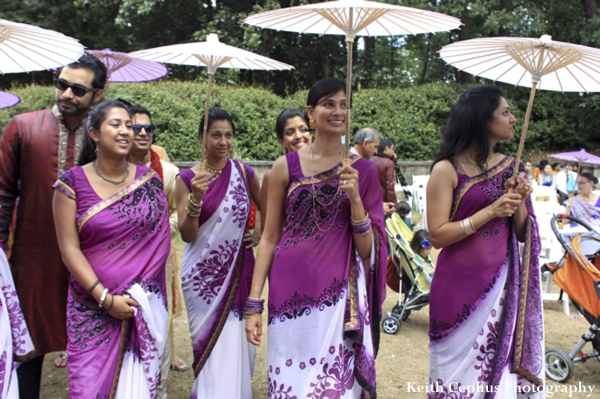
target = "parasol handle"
x: 205, y: 128
x: 350, y: 45
x: 524, y: 133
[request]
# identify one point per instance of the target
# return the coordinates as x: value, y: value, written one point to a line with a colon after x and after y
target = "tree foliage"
x: 413, y: 117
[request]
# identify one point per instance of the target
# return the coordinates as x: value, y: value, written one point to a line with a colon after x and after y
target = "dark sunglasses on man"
x: 77, y: 90
x: 137, y: 129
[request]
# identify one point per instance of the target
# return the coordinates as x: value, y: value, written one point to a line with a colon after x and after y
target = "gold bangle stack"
x: 192, y: 208
x: 467, y: 226
x: 359, y: 222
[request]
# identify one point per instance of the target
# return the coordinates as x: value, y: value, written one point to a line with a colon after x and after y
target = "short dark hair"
x: 325, y: 87
x: 383, y: 144
x: 555, y: 165
x: 284, y: 116
x: 95, y: 118
x: 402, y: 208
x: 138, y: 109
x: 468, y: 124
x: 216, y: 114
x: 589, y: 176
x: 92, y: 63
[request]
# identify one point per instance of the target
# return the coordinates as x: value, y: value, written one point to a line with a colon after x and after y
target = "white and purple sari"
x: 486, y: 322
x: 215, y: 277
x: 324, y: 301
x: 15, y: 343
x: 126, y: 240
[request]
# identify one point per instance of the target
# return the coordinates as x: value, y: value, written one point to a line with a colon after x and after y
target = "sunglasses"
x: 148, y: 128
x: 425, y: 244
x: 78, y: 90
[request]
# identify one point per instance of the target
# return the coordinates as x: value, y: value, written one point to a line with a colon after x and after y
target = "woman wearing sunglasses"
x: 486, y: 324
x: 213, y: 207
x: 112, y: 224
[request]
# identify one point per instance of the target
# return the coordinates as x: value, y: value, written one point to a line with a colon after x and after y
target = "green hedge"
x: 414, y: 117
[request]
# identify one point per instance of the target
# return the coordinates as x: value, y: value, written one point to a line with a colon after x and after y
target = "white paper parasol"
x: 536, y: 63
x: 211, y: 54
x: 352, y: 18
x: 26, y: 48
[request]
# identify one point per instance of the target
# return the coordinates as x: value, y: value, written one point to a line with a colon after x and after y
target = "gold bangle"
x: 191, y: 201
x: 360, y: 221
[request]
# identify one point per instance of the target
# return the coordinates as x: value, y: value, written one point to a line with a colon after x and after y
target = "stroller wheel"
x: 559, y: 366
x: 398, y: 309
x: 391, y: 325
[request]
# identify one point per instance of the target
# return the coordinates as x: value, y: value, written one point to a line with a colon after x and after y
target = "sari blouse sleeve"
x: 66, y: 185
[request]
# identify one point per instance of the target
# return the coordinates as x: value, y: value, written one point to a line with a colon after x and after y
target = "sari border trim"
x: 471, y: 181
x: 100, y: 206
x: 520, y: 332
x: 239, y: 262
x: 321, y: 177
x: 65, y: 189
x: 125, y: 327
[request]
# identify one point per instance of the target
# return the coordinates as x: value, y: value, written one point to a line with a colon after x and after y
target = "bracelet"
x: 467, y: 226
x: 254, y: 305
x: 359, y: 222
x: 102, y: 298
x: 362, y: 227
x: 191, y: 201
x: 192, y: 208
x: 112, y: 302
x: 91, y: 289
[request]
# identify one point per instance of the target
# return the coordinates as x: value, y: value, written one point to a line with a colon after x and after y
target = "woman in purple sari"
x: 213, y: 206
x: 324, y: 251
x: 486, y: 325
x: 15, y: 342
x: 112, y: 223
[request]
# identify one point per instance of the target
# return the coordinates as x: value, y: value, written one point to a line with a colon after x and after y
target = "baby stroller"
x: 578, y: 275
x: 414, y: 279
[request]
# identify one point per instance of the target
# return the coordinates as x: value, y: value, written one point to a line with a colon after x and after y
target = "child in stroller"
x: 413, y: 271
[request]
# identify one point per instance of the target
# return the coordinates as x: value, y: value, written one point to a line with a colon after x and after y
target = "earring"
x: 312, y: 123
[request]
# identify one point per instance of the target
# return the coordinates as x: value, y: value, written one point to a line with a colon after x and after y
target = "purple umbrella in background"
x: 122, y: 68
x: 8, y: 100
x: 580, y: 156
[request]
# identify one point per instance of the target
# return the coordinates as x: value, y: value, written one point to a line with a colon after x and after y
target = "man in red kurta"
x: 37, y: 148
x: 384, y: 160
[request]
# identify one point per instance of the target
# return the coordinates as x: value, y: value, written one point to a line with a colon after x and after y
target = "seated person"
x: 403, y: 210
x: 586, y: 204
x: 546, y: 178
x: 421, y: 246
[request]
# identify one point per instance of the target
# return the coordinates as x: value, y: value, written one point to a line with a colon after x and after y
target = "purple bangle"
x: 254, y: 305
x: 362, y: 228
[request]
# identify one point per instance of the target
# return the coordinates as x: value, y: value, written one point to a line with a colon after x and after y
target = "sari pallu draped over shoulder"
x: 486, y: 322
x: 324, y: 300
x: 15, y: 341
x: 216, y: 276
x: 126, y: 240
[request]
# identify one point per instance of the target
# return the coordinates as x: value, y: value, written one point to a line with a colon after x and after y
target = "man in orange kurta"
x: 37, y: 147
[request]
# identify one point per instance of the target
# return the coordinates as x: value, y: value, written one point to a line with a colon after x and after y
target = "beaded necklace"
x: 337, y: 197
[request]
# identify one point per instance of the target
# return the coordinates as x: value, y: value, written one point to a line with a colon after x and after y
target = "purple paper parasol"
x: 122, y: 68
x: 8, y: 100
x: 581, y: 156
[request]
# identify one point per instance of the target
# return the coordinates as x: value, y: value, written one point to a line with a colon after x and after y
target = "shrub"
x: 413, y: 117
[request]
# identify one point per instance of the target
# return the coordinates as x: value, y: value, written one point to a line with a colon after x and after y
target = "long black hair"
x: 95, y: 118
x: 468, y: 125
x: 284, y: 116
x: 216, y: 114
